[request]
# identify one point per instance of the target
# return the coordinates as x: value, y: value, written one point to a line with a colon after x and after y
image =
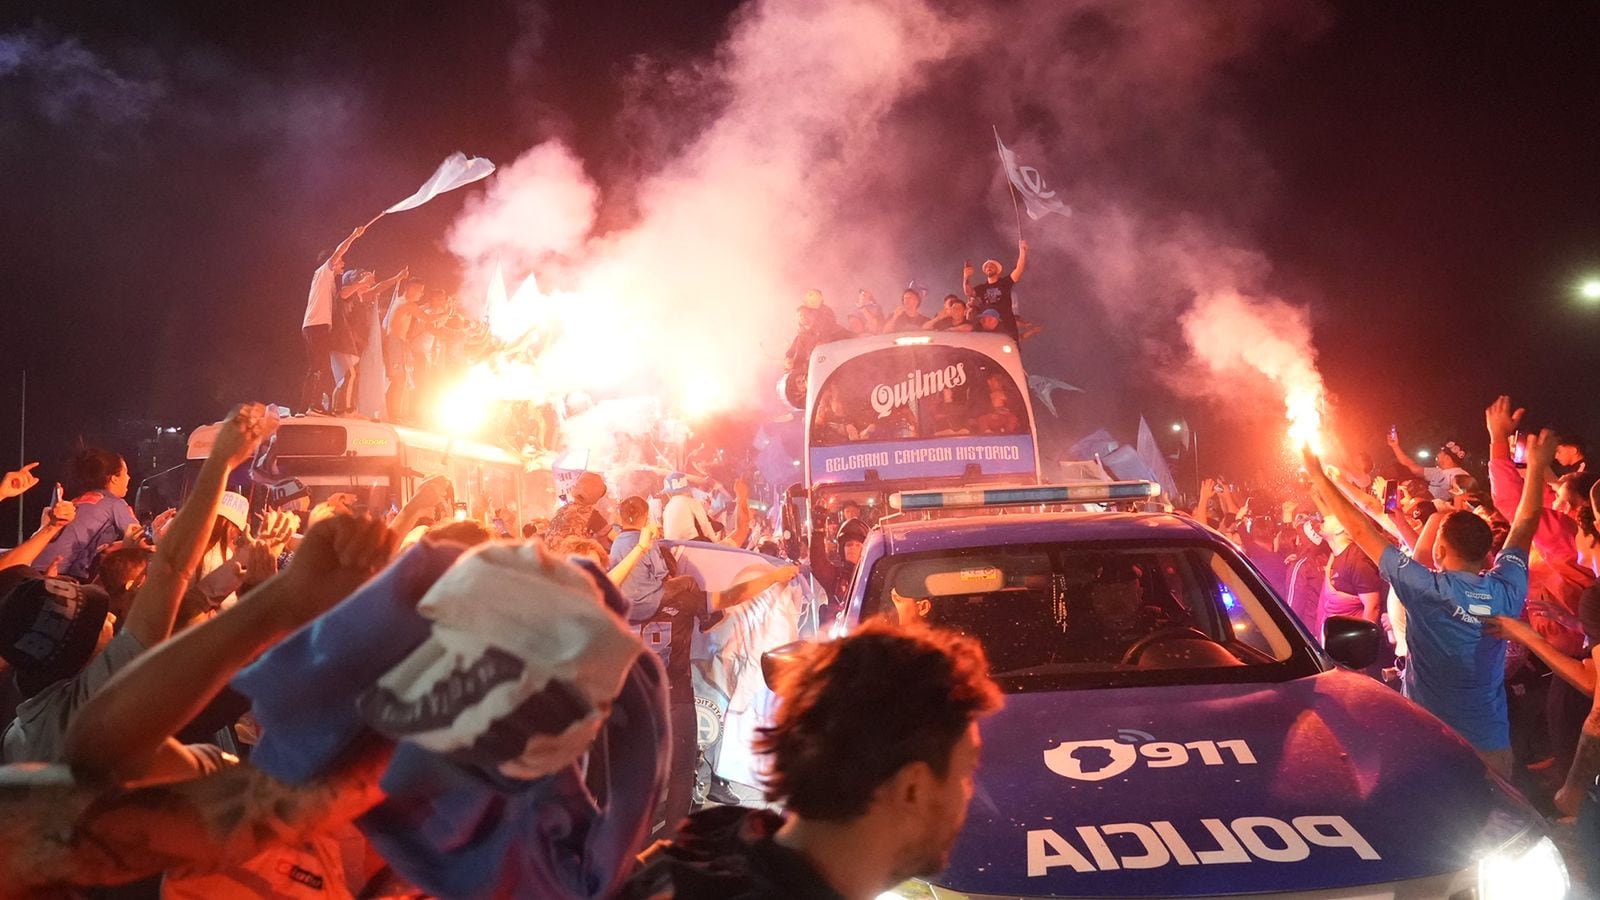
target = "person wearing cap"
x: 835, y: 577
x: 995, y: 291
x: 1449, y: 459
x: 683, y: 516
x: 317, y: 388
x: 58, y: 636
x: 234, y: 561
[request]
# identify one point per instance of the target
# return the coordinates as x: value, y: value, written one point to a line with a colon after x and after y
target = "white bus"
x: 908, y: 411
x: 381, y: 464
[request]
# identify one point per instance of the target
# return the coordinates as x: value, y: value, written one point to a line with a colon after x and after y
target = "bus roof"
x: 365, y: 438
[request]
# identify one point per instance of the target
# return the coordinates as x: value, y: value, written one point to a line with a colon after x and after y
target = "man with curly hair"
x: 872, y: 755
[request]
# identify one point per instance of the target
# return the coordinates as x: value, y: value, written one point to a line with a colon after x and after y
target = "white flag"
x: 458, y: 169
x: 1038, y: 196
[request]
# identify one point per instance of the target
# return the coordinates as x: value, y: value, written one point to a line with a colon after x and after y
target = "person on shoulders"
x: 100, y: 482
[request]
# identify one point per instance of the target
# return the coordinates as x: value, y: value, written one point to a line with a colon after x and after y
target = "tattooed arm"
x: 57, y: 833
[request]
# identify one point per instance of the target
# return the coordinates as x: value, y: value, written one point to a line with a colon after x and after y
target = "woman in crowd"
x: 98, y: 480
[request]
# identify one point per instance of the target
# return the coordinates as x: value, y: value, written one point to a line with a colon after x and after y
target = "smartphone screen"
x: 1519, y: 450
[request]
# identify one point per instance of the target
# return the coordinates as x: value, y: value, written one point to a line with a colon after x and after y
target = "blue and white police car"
x: 1170, y: 730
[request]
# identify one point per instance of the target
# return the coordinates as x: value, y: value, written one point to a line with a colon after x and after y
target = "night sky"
x: 171, y: 171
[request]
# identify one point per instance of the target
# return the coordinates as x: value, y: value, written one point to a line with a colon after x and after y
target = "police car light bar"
x: 1080, y: 492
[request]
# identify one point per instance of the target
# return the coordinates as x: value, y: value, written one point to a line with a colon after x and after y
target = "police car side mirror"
x: 1352, y: 641
x: 774, y: 661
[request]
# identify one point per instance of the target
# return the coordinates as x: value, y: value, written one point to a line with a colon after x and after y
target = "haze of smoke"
x: 133, y: 100
x: 1127, y: 111
x: 65, y: 82
x: 735, y: 226
x: 843, y: 134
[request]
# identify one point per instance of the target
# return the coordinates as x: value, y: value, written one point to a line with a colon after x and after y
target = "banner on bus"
x: 943, y: 457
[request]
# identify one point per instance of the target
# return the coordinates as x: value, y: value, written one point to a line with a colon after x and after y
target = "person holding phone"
x: 1449, y: 458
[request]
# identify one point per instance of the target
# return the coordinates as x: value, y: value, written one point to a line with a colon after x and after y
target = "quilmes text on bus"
x: 893, y: 412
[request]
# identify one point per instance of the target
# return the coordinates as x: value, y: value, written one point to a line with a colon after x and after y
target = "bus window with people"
x: 890, y: 412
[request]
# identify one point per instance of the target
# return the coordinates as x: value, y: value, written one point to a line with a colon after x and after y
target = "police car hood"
x: 1323, y: 782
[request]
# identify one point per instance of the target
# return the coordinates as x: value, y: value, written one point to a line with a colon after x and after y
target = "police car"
x: 1170, y: 730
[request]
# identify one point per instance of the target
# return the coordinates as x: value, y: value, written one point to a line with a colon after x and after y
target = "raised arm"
x: 966, y: 280
x: 1411, y: 465
x: 60, y: 834
x: 1586, y: 761
x: 173, y: 565
x: 743, y: 522
x: 56, y: 519
x: 391, y: 282
x: 434, y: 490
x: 343, y: 248
x: 1541, y: 453
x: 1502, y: 423
x: 1022, y: 260
x: 17, y: 483
x: 625, y: 566
x: 744, y: 590
x: 1365, y: 532
x: 123, y: 735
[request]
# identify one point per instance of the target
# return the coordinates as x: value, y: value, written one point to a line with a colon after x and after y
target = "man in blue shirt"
x: 1456, y: 671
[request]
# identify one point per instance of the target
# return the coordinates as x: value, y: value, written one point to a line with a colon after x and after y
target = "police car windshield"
x: 1056, y: 616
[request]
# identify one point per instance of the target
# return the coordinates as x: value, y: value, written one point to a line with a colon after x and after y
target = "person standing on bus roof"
x: 995, y: 292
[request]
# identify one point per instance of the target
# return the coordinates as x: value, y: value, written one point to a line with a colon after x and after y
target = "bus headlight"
x: 1523, y: 869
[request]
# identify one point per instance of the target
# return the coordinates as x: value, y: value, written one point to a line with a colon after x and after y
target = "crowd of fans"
x: 984, y: 305
x: 174, y: 675
x: 417, y: 330
x: 250, y: 703
x: 1483, y: 577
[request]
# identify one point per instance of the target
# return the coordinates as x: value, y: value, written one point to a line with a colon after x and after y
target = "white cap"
x: 235, y: 507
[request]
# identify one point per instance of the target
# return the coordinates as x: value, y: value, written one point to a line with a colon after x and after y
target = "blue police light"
x: 1083, y: 492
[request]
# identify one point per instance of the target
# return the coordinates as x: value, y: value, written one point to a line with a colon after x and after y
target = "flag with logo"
x: 1039, y: 197
x: 457, y: 170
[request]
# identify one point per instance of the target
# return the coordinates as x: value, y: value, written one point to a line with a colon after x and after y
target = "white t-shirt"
x: 319, y: 305
x: 1439, y: 480
x: 39, y: 732
x: 684, y: 518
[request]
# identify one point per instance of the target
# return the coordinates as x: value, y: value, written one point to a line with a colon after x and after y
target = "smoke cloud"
x: 848, y: 145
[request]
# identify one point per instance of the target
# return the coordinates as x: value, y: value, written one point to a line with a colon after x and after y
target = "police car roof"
x: 987, y: 530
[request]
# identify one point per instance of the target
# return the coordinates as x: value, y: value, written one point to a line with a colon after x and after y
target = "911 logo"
x: 1102, y: 759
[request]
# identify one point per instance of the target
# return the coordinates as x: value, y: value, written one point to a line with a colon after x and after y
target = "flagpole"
x: 1013, y: 188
